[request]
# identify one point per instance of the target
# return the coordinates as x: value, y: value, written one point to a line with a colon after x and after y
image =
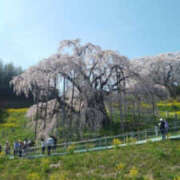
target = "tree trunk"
x: 96, y: 111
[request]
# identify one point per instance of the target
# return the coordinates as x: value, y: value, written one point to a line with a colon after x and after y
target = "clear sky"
x: 31, y: 30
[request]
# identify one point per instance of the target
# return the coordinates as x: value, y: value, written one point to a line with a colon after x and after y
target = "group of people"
x: 163, y: 126
x: 50, y: 143
x: 19, y: 147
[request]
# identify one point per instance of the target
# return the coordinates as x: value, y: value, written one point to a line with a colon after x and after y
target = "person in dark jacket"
x: 7, y: 148
x: 43, y: 145
x: 55, y: 142
x: 16, y: 147
x: 20, y: 148
x: 162, y: 129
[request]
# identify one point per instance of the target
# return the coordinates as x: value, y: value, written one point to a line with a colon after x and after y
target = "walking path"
x: 175, y: 137
x: 104, y: 143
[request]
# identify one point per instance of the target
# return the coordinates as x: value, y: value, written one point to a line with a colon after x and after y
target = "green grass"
x: 14, y: 125
x: 150, y: 161
x: 172, y: 106
x: 169, y: 110
x: 158, y: 161
x: 13, y: 122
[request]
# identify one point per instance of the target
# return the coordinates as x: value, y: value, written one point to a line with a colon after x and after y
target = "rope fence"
x: 105, y: 142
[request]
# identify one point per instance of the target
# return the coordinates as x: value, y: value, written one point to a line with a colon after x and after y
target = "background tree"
x: 163, y: 70
x: 7, y: 96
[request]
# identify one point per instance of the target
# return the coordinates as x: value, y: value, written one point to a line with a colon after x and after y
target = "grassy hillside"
x: 13, y: 125
x: 150, y: 161
x: 13, y: 122
x: 159, y: 161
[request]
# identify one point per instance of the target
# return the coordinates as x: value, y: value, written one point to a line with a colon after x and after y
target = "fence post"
x: 156, y: 130
x: 99, y: 142
x: 124, y: 138
x: 127, y: 138
x: 145, y: 134
x: 138, y: 136
x: 175, y: 116
x: 65, y: 146
x: 106, y: 141
x: 132, y: 134
x: 174, y: 125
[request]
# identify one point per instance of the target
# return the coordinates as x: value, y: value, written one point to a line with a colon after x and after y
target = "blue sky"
x: 31, y: 30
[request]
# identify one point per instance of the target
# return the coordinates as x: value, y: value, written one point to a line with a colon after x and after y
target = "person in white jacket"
x: 50, y: 144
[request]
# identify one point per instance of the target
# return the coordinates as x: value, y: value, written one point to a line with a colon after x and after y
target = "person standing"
x: 25, y: 146
x: 20, y: 148
x: 55, y: 142
x: 50, y: 144
x: 7, y: 148
x: 16, y: 147
x: 162, y: 129
x: 43, y: 145
x: 166, y: 127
